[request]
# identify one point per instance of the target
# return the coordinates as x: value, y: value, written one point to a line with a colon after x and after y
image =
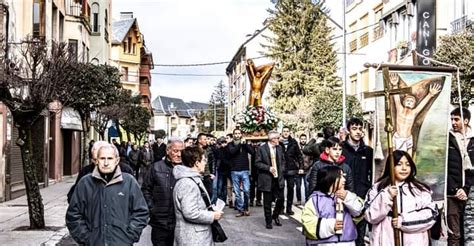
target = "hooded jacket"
x: 417, y: 214
x: 319, y: 218
x: 102, y: 213
x: 324, y: 161
x: 193, y: 220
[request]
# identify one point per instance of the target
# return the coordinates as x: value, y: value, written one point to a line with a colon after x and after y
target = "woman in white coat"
x: 193, y: 219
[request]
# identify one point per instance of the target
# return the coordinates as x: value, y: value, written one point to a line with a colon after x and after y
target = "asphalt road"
x: 247, y: 230
x: 250, y: 230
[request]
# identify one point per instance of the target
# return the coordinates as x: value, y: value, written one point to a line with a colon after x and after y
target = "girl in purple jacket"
x: 416, y: 209
x: 328, y: 215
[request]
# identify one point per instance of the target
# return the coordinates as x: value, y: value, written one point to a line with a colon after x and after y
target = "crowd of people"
x: 171, y: 187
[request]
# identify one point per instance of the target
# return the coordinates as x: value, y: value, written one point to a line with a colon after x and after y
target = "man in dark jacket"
x: 134, y: 159
x: 208, y: 175
x: 223, y: 169
x: 158, y: 191
x: 270, y: 162
x: 239, y: 152
x: 359, y: 157
x: 159, y: 149
x: 146, y: 159
x: 107, y: 207
x: 460, y: 173
x: 294, y: 162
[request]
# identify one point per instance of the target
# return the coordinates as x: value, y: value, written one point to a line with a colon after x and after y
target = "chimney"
x: 126, y: 15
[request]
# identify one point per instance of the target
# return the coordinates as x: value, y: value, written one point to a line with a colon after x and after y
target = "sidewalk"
x: 14, y: 214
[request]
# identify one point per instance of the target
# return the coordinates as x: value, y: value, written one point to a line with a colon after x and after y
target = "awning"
x: 70, y: 119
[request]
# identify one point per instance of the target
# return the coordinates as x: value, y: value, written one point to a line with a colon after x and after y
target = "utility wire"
x: 254, y: 58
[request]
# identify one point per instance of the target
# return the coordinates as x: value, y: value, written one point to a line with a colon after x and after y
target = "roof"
x: 163, y: 105
x: 197, y: 106
x: 120, y: 29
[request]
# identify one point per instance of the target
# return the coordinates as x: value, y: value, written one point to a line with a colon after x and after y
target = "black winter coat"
x: 222, y: 161
x: 239, y: 156
x: 455, y: 168
x: 159, y: 151
x: 361, y: 164
x: 263, y: 163
x: 293, y: 157
x: 157, y: 189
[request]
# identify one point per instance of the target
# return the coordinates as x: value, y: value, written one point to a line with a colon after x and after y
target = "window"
x: 364, y: 38
x: 129, y: 45
x: 72, y: 46
x: 353, y: 84
x: 378, y: 30
x: 134, y: 49
x: 125, y: 47
x: 124, y: 73
x: 38, y: 18
x: 95, y: 18
x: 365, y: 80
x: 353, y: 38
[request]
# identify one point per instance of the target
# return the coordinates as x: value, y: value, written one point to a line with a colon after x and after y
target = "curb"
x: 56, y: 237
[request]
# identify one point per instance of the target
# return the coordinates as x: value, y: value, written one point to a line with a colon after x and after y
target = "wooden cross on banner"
x: 387, y: 93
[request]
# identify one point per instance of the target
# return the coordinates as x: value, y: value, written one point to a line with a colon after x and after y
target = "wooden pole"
x: 389, y: 131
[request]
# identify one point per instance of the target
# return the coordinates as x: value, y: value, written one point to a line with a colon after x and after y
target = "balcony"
x: 460, y: 24
x: 353, y: 45
x: 77, y: 9
x: 364, y: 40
x: 378, y: 33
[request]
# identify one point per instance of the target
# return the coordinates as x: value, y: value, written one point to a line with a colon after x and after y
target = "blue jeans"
x: 298, y: 180
x: 237, y: 178
x: 214, y: 189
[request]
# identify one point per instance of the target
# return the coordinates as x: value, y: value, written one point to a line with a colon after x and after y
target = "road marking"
x: 299, y: 228
x: 284, y: 217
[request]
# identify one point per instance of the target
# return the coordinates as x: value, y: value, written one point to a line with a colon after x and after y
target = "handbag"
x: 218, y: 234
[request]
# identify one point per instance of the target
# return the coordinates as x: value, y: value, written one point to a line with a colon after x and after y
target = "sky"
x: 190, y: 31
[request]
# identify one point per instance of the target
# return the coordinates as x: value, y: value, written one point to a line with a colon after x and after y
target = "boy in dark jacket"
x: 359, y: 157
x: 332, y: 155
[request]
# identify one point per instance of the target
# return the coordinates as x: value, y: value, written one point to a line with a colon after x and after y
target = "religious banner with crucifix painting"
x: 420, y: 120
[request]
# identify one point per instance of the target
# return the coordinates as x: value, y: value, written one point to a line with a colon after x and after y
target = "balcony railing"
x: 364, y: 40
x: 75, y: 8
x: 378, y: 32
x: 353, y: 45
x: 460, y: 24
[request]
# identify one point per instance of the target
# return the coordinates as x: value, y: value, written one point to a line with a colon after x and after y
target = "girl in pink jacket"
x: 416, y: 209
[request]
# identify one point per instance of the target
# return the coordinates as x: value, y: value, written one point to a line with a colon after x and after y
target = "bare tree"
x: 96, y: 87
x: 36, y: 82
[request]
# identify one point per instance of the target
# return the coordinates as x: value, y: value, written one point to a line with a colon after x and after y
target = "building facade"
x: 388, y: 31
x: 126, y: 47
x: 57, y: 137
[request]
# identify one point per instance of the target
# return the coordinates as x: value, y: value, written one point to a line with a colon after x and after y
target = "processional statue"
x: 258, y: 77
